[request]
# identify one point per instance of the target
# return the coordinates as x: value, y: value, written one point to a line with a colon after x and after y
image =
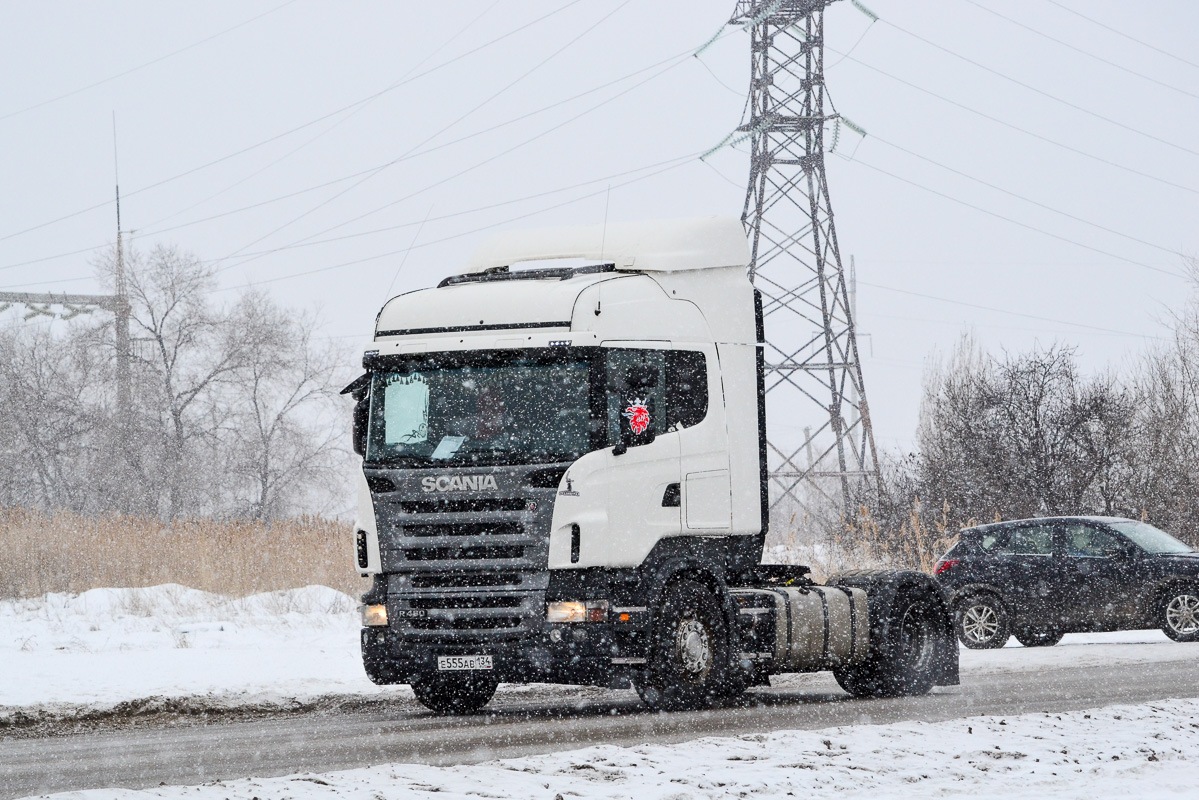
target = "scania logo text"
x: 458, y: 483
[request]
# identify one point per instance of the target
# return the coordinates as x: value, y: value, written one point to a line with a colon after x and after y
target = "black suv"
x: 1041, y: 578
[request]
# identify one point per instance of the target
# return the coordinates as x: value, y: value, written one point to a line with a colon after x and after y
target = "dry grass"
x: 862, y: 543
x: 65, y: 552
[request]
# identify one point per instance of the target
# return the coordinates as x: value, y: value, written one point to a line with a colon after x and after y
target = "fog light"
x: 577, y: 611
x: 556, y: 635
x: 374, y: 616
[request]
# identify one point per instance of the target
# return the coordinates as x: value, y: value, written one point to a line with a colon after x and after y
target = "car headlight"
x: 374, y: 616
x: 577, y: 611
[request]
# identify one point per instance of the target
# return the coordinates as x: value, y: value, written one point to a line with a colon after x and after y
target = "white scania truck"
x: 564, y: 480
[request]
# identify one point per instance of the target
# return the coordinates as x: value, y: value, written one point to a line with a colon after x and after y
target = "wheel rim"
x: 1182, y: 614
x: 916, y: 637
x: 693, y: 644
x: 980, y: 623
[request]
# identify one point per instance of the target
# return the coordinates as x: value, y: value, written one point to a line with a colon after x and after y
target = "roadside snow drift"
x: 107, y: 646
x: 62, y: 654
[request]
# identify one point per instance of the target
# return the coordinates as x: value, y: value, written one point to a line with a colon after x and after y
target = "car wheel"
x: 689, y: 655
x: 1038, y: 638
x: 1180, y: 614
x: 982, y: 622
x: 456, y: 693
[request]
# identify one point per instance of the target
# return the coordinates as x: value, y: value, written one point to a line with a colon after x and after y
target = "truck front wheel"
x: 454, y: 693
x: 688, y: 664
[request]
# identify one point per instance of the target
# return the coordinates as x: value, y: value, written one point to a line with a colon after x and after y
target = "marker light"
x: 374, y: 616
x: 577, y: 611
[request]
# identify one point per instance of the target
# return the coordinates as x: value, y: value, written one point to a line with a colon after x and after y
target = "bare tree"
x: 286, y: 430
x: 52, y: 412
x: 1022, y: 436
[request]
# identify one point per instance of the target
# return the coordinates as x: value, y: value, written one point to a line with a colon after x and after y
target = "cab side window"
x: 635, y: 388
x: 686, y: 388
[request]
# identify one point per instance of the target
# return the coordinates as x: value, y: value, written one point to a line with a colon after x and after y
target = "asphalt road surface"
x: 188, y: 750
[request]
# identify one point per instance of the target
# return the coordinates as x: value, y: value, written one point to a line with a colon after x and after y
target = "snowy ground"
x: 109, y: 646
x: 62, y: 654
x: 1130, y: 751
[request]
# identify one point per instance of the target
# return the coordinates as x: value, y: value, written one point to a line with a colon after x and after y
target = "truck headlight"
x: 577, y: 611
x: 374, y: 616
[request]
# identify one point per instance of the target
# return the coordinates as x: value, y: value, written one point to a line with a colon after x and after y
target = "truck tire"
x: 911, y: 637
x: 454, y: 693
x: 688, y: 665
x: 982, y: 622
x: 1178, y: 613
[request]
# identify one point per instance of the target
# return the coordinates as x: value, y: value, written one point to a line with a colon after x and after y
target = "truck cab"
x: 555, y: 457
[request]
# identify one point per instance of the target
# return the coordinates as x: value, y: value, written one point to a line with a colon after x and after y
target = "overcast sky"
x: 337, y: 153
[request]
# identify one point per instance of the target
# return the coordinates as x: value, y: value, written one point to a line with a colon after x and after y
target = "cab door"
x: 643, y: 480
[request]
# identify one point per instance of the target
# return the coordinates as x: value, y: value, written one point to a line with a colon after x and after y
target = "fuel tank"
x: 803, y: 628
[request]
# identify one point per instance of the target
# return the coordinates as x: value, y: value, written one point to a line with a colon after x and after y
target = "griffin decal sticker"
x: 638, y: 415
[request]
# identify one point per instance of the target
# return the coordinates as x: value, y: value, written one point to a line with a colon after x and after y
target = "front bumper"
x: 603, y: 654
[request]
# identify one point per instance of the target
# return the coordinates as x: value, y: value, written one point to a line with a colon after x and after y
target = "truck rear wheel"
x: 688, y: 665
x: 454, y: 693
x: 904, y: 641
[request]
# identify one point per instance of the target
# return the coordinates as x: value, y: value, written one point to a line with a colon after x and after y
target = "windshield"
x: 500, y: 407
x: 1149, y: 538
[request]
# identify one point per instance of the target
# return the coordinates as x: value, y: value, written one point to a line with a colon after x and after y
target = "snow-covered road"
x: 60, y: 656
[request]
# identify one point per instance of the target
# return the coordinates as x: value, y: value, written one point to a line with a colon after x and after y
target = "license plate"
x: 463, y: 662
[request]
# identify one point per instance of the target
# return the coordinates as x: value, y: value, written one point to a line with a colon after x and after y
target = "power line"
x: 360, y: 173
x: 1003, y: 310
x: 457, y: 34
x: 1086, y: 53
x: 1018, y: 129
x: 1041, y: 231
x: 1041, y: 92
x: 1119, y: 32
x: 1106, y: 229
x: 303, y: 126
x: 371, y: 174
x: 677, y: 163
x: 478, y: 164
x: 142, y: 66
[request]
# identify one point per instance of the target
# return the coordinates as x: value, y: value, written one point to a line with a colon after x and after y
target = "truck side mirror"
x: 360, y: 391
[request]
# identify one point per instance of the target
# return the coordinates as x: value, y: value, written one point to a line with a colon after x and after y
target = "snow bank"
x: 1120, y: 751
x: 61, y: 654
x: 106, y: 646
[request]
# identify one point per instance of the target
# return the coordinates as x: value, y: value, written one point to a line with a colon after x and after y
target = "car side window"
x: 1036, y: 540
x: 1087, y: 541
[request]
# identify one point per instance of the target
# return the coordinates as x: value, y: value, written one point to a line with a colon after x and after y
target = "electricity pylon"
x: 813, y: 373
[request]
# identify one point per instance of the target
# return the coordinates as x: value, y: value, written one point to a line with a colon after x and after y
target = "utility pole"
x: 39, y: 304
x: 121, y: 306
x: 813, y: 371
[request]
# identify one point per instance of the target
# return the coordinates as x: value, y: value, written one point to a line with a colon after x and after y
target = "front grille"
x: 462, y: 505
x: 466, y: 601
x: 466, y: 623
x: 465, y: 529
x: 466, y: 569
x: 463, y: 553
x: 464, y: 580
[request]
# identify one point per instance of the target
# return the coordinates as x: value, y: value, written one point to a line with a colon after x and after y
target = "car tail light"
x: 946, y: 564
